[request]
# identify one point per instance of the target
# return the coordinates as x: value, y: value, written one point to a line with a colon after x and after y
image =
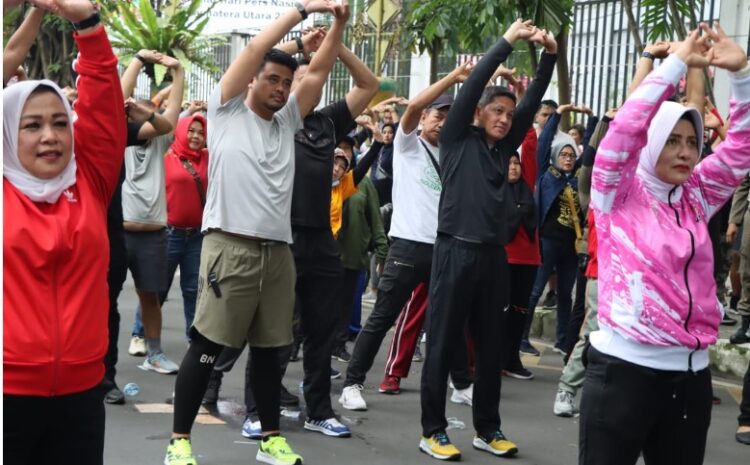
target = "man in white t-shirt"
x: 247, y: 274
x: 416, y: 195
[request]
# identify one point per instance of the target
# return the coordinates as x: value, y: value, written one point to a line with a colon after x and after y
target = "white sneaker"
x: 137, y: 346
x: 160, y: 364
x: 463, y: 396
x: 351, y: 398
x: 564, y: 406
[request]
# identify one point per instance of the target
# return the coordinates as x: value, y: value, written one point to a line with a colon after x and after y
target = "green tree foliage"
x: 174, y: 28
x: 52, y: 54
x: 666, y: 19
x: 471, y: 26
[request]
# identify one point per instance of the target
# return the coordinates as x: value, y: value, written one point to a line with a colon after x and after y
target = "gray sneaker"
x: 564, y: 406
x: 160, y: 364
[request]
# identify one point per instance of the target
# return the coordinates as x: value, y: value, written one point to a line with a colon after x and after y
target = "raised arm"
x: 719, y: 174
x: 588, y: 157
x: 461, y: 115
x: 410, y: 119
x: 308, y: 91
x: 591, y: 123
x: 20, y: 43
x: 130, y: 76
x: 100, y: 130
x: 646, y: 63
x: 364, y: 163
x: 695, y: 90
x: 174, y: 101
x: 245, y: 67
x: 544, y: 148
x: 528, y: 159
x: 154, y: 124
x: 310, y: 42
x: 523, y: 117
x: 365, y: 83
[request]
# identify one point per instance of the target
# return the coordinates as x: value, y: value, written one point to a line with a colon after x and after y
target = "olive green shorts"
x: 245, y: 291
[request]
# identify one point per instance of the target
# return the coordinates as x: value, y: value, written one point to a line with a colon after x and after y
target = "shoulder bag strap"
x: 431, y: 156
x: 198, y: 183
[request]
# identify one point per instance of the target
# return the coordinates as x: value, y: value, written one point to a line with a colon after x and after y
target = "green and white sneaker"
x: 276, y: 451
x: 180, y: 452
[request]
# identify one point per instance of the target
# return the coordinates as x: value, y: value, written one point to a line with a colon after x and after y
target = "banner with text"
x: 245, y: 15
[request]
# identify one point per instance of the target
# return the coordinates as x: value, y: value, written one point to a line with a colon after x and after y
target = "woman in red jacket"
x: 59, y: 175
x: 523, y: 252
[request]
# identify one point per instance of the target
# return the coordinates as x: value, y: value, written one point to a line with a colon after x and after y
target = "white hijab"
x: 661, y: 127
x: 36, y: 189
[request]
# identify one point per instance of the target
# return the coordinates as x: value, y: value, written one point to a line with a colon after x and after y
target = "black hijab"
x: 522, y: 209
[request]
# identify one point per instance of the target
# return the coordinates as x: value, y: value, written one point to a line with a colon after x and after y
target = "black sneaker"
x: 519, y: 373
x: 742, y: 335
x: 728, y: 320
x: 527, y: 348
x: 211, y: 396
x: 114, y: 396
x: 342, y: 355
x: 550, y: 300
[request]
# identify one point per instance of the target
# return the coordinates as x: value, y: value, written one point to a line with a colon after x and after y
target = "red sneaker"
x: 390, y: 385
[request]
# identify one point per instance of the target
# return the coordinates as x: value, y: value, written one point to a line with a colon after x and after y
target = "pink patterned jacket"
x: 657, y: 296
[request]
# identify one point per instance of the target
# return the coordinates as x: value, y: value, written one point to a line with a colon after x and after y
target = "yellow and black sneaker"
x: 440, y: 447
x: 180, y: 452
x: 276, y: 451
x: 496, y: 445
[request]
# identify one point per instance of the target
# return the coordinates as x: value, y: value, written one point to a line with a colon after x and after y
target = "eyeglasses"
x: 567, y: 155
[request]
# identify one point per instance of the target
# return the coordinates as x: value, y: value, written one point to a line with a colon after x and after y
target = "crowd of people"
x: 452, y: 214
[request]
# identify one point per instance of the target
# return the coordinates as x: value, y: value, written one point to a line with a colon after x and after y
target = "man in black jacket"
x: 469, y: 266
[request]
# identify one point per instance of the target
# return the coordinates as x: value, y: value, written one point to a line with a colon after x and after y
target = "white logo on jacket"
x: 70, y: 196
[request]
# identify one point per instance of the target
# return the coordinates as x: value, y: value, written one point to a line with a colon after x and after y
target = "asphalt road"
x: 388, y: 433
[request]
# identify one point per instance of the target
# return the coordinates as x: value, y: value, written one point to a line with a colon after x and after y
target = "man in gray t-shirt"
x: 246, y: 277
x: 144, y: 208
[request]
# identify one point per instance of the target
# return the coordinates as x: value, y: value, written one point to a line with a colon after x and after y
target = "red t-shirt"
x: 184, y: 209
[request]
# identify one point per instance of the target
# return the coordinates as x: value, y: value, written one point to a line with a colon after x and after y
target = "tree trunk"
x: 434, y: 51
x: 633, y: 25
x: 679, y: 26
x: 563, y: 73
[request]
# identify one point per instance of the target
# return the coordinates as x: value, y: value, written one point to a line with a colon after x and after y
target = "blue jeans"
x: 560, y: 256
x: 355, y: 325
x: 185, y: 251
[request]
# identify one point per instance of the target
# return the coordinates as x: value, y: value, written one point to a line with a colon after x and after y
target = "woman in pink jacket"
x: 648, y: 388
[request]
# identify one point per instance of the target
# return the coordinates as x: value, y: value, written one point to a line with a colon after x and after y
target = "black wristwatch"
x: 648, y: 55
x: 301, y: 8
x: 151, y: 118
x: 140, y: 58
x: 300, y: 44
x: 91, y: 21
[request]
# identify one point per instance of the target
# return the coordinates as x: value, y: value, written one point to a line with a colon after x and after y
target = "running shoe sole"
x: 389, y: 392
x: 265, y: 458
x: 426, y: 449
x: 327, y: 432
x: 518, y: 375
x: 145, y: 366
x: 481, y: 445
